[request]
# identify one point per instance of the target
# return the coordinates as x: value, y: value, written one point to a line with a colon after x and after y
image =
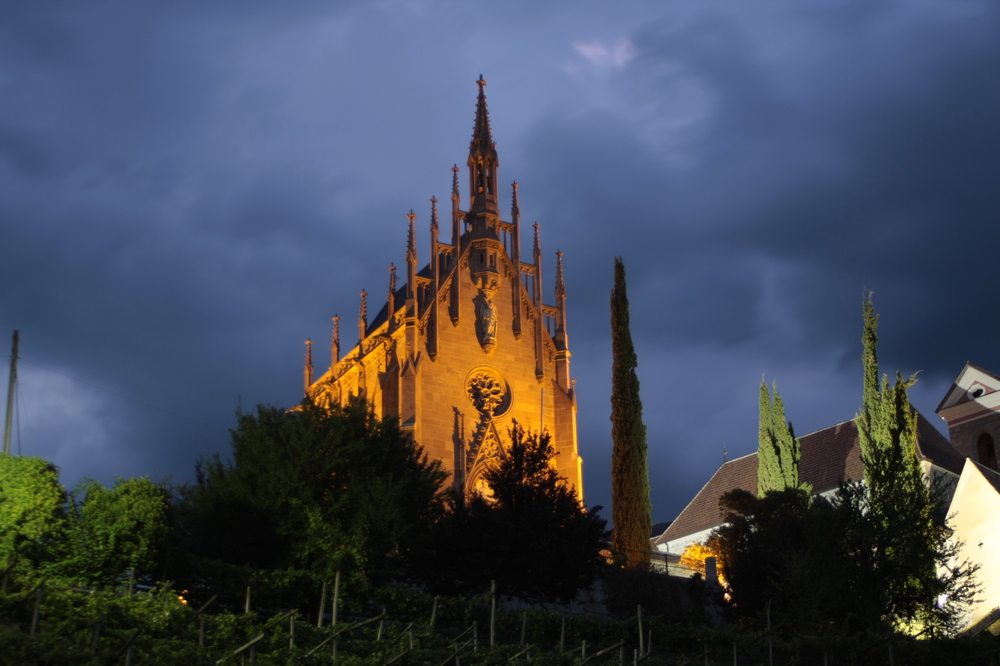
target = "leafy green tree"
x: 32, y: 512
x: 778, y: 450
x: 631, y: 509
x: 531, y: 535
x: 314, y: 489
x: 117, y: 529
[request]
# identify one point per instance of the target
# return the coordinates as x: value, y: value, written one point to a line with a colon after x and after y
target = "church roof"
x: 828, y: 456
x: 702, y: 512
x: 383, y: 314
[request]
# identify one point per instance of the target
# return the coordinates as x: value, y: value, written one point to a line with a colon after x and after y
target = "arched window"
x: 986, y: 450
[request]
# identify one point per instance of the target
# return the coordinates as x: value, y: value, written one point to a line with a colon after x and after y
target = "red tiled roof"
x: 703, y: 512
x: 934, y: 447
x: 828, y: 456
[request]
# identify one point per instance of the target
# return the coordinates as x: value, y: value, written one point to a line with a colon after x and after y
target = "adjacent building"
x: 828, y: 456
x: 967, y: 465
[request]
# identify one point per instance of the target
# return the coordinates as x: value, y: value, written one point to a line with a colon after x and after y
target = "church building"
x: 465, y: 347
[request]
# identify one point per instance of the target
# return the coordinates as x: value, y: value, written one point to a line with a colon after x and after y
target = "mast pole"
x: 10, y: 397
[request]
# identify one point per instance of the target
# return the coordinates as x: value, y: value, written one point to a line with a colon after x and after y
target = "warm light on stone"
x: 466, y: 347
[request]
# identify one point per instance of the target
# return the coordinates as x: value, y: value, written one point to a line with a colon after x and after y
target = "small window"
x: 978, y: 392
x: 493, y: 261
x: 986, y: 450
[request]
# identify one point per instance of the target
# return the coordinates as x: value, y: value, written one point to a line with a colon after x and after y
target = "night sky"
x: 188, y: 191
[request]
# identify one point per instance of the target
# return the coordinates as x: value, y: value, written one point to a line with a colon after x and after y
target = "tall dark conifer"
x: 631, y: 509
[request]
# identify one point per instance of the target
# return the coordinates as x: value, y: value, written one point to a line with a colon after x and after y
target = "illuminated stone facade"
x: 466, y: 347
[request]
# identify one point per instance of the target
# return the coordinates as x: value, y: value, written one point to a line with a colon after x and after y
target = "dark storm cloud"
x: 866, y: 159
x: 187, y: 192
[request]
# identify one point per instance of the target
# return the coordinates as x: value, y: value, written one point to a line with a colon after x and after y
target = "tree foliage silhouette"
x: 530, y: 535
x: 316, y: 490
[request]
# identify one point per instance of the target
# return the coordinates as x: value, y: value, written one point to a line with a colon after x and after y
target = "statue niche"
x: 486, y: 320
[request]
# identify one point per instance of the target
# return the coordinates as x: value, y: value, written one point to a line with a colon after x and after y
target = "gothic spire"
x: 435, y: 266
x: 411, y: 267
x: 560, y: 338
x: 335, y: 342
x: 482, y: 137
x: 515, y: 256
x: 560, y: 285
x: 483, y: 160
x: 411, y: 238
x: 538, y: 245
x: 363, y: 316
x: 391, y: 301
x: 309, y: 365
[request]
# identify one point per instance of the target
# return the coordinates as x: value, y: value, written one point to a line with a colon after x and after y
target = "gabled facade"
x: 972, y: 409
x: 465, y: 346
x: 974, y: 517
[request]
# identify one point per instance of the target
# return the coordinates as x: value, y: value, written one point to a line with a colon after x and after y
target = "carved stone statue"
x: 486, y: 314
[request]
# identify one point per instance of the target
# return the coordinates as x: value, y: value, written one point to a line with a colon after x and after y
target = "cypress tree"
x: 631, y: 509
x: 768, y: 462
x: 778, y: 450
x: 905, y: 550
x: 887, y: 426
x: 789, y: 447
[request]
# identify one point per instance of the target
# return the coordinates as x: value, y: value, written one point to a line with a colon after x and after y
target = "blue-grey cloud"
x: 188, y: 192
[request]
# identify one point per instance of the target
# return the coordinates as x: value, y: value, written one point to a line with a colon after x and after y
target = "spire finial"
x: 309, y: 364
x: 363, y: 315
x: 392, y: 280
x: 538, y: 242
x: 411, y: 239
x: 335, y: 341
x: 515, y: 207
x: 454, y: 182
x: 482, y: 137
x: 434, y: 213
x: 483, y: 160
x: 560, y: 284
